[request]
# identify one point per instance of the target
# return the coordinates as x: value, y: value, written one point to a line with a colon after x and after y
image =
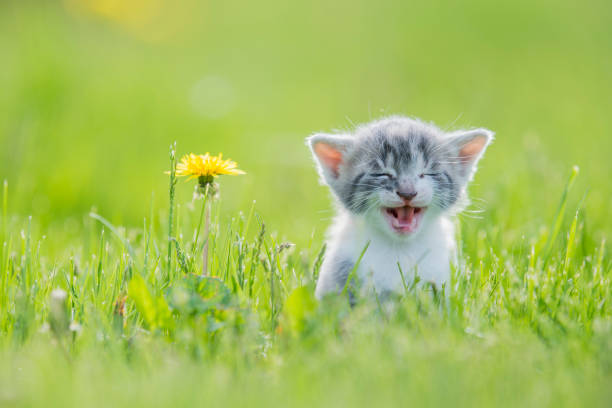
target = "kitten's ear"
x: 468, y: 147
x: 329, y: 152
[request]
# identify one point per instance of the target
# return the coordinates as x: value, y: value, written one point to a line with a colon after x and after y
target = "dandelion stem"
x: 171, y: 210
x: 202, y: 211
x: 206, y: 235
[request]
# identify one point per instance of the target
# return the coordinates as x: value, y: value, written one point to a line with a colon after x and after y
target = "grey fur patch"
x: 342, y: 274
x: 343, y: 270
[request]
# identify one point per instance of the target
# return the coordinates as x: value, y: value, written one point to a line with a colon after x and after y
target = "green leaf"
x: 298, y: 307
x: 154, y: 311
x: 195, y: 295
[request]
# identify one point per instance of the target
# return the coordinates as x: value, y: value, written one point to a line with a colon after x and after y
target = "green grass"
x: 90, y: 106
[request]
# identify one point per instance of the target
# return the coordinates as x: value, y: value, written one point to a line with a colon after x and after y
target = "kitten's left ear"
x: 329, y: 152
x: 468, y: 147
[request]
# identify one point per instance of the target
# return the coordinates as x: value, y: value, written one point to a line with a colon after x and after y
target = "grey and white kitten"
x: 397, y: 183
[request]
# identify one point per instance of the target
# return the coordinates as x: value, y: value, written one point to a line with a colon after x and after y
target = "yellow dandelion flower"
x: 205, y: 166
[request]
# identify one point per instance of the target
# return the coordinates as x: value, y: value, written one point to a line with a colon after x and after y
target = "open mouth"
x: 404, y: 220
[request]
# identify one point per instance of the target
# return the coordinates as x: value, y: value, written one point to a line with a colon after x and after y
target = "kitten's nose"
x: 407, y: 195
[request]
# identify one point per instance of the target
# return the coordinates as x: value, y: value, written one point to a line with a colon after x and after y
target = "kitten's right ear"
x: 468, y: 147
x: 329, y: 152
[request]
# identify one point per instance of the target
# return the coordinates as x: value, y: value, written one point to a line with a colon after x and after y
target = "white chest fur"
x: 428, y: 255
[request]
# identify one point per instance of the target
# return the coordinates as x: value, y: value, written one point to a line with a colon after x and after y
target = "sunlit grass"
x: 527, y: 326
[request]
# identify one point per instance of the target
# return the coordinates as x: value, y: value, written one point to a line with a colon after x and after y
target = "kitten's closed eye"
x: 422, y: 175
x: 386, y: 175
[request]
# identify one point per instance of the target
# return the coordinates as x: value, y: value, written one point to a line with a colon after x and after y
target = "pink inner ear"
x: 329, y: 156
x: 472, y: 149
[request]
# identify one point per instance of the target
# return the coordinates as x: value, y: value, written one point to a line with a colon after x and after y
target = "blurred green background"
x: 93, y: 92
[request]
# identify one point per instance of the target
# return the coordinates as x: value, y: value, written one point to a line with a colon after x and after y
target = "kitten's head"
x: 399, y: 173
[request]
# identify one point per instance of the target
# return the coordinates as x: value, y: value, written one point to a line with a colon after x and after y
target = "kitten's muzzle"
x: 407, y: 196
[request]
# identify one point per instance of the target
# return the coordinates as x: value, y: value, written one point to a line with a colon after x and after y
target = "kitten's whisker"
x: 471, y: 216
x: 443, y: 145
x: 453, y: 122
x: 350, y: 121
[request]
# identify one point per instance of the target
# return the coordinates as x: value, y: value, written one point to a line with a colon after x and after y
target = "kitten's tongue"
x: 404, y: 219
x: 405, y: 215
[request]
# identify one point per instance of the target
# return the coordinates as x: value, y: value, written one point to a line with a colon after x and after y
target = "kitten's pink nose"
x: 407, y: 195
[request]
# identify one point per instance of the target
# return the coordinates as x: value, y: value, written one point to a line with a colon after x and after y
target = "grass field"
x: 93, y: 312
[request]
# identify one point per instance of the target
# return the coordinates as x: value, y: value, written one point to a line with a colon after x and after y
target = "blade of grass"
x: 349, y: 278
x: 116, y: 233
x: 4, y: 210
x: 556, y: 227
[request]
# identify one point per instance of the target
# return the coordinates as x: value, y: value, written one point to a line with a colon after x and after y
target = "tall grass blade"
x: 4, y: 210
x: 351, y: 274
x: 116, y: 233
x: 556, y: 227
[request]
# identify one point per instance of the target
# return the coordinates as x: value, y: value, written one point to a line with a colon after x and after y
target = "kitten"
x: 397, y: 182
